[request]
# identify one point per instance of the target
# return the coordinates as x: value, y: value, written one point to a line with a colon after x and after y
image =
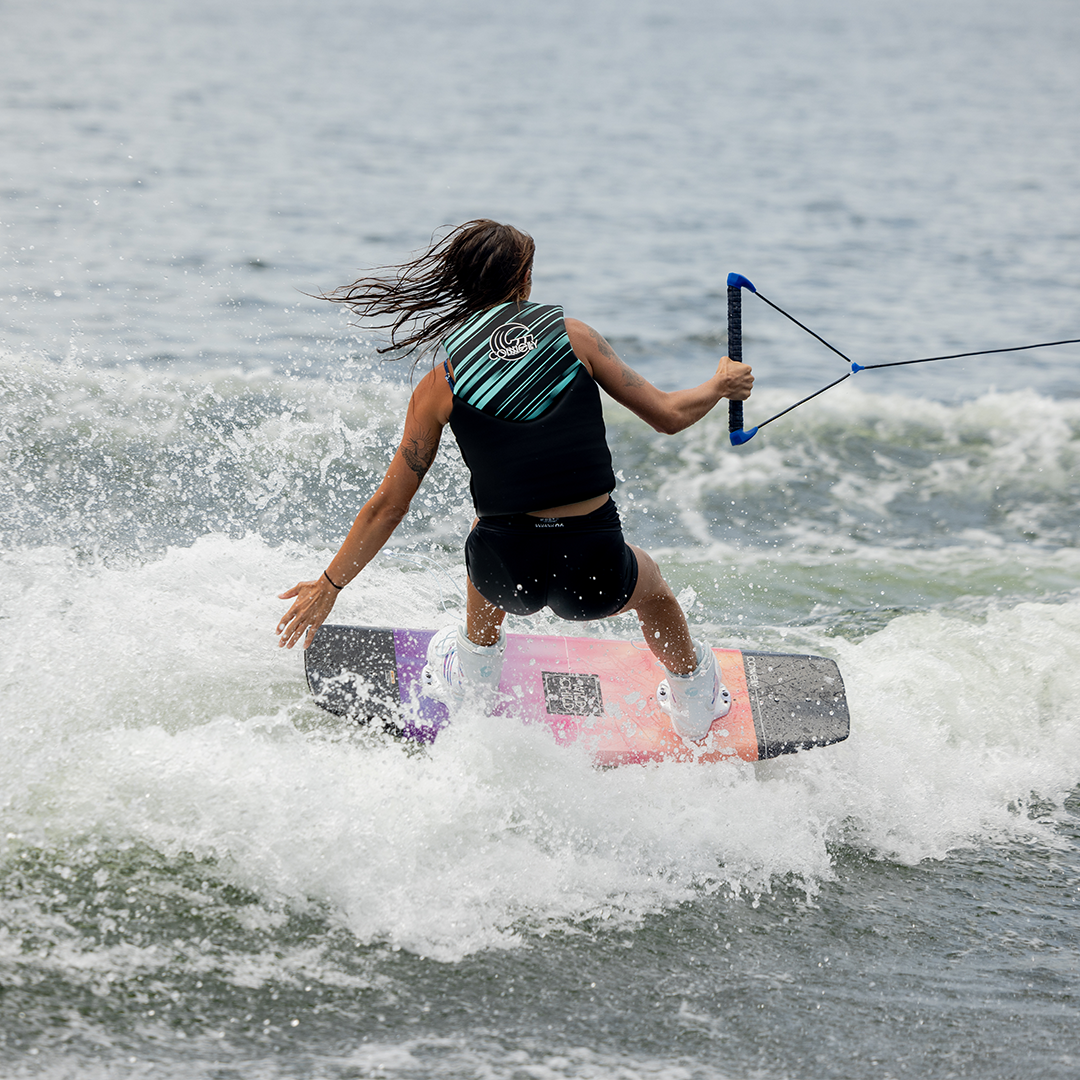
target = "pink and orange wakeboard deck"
x: 592, y: 690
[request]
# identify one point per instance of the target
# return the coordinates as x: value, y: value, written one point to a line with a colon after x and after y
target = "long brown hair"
x: 475, y: 266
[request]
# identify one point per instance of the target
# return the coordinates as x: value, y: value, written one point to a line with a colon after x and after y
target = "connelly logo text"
x: 510, y: 341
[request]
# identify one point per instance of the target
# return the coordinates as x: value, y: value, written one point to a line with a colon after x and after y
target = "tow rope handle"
x: 735, y: 285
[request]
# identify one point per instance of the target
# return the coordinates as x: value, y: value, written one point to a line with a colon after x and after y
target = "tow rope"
x: 736, y: 283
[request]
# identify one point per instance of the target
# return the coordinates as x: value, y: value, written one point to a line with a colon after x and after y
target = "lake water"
x: 204, y: 876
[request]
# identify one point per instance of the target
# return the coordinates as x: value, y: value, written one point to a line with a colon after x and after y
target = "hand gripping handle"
x: 735, y: 285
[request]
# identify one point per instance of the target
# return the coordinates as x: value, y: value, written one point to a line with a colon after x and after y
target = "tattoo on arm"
x: 629, y: 375
x: 419, y: 452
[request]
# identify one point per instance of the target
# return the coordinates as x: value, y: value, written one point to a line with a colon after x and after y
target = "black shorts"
x: 580, y: 567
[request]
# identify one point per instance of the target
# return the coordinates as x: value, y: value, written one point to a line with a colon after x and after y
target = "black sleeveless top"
x: 527, y: 414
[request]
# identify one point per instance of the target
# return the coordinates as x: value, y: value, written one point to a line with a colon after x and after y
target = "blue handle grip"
x: 737, y: 281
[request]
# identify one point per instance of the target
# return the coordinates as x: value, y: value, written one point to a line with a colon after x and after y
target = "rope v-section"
x: 735, y: 285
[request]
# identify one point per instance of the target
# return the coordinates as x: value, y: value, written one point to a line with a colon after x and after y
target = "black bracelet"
x: 331, y: 580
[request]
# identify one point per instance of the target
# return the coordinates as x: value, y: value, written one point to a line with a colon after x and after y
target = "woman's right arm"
x: 427, y: 415
x: 666, y: 411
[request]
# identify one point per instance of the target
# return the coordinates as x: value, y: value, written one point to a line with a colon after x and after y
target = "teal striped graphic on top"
x: 513, y: 360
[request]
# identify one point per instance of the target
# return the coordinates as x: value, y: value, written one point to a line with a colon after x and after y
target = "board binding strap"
x: 596, y: 691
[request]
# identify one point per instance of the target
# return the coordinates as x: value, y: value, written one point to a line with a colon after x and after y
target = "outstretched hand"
x: 314, y: 601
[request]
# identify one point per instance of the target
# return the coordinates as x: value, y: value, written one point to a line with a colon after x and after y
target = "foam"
x: 146, y: 702
x: 149, y: 704
x: 422, y: 1058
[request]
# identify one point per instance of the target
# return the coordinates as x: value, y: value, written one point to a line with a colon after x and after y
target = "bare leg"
x: 662, y: 620
x: 482, y: 619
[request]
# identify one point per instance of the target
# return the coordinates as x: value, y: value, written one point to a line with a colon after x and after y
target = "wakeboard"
x: 594, y: 691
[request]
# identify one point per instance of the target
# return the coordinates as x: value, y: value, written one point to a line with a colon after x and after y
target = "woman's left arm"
x: 667, y: 411
x: 427, y: 415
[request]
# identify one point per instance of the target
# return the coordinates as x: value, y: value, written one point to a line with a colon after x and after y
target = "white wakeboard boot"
x: 694, y: 701
x: 457, y: 669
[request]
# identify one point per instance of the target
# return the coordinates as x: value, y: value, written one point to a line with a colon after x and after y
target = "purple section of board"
x: 423, y: 716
